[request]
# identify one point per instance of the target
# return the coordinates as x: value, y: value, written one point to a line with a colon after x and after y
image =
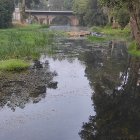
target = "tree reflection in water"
x: 117, y: 106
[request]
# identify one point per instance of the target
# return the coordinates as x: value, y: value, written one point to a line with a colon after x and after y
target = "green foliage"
x: 13, y: 65
x: 44, y: 26
x: 115, y: 34
x: 89, y: 12
x: 68, y: 4
x: 133, y: 49
x: 96, y: 39
x: 28, y: 3
x: 24, y: 42
x: 123, y: 17
x: 94, y: 14
x: 6, y: 12
x: 80, y: 6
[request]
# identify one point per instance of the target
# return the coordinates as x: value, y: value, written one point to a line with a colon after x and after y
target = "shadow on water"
x: 115, y: 99
x: 115, y: 79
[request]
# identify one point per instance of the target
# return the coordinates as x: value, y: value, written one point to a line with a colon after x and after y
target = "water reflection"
x: 18, y: 89
x: 113, y: 78
x: 115, y: 98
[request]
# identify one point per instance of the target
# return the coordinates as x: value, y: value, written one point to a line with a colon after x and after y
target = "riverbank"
x: 108, y: 33
x: 25, y: 43
x: 104, y: 34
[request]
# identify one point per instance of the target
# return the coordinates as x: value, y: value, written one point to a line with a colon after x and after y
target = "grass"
x: 133, y: 49
x: 13, y: 65
x: 113, y: 34
x: 23, y: 43
x: 26, y: 42
x: 96, y: 39
x: 116, y: 34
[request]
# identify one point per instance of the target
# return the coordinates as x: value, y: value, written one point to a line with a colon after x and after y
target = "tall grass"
x: 23, y: 42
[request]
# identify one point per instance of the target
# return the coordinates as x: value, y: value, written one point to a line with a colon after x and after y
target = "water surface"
x: 61, y: 96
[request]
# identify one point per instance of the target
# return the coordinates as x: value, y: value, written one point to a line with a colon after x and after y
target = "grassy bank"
x: 23, y: 43
x: 110, y: 34
x: 116, y: 34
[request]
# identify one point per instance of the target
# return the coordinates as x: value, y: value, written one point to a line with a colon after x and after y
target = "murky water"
x: 52, y: 100
x: 59, y: 115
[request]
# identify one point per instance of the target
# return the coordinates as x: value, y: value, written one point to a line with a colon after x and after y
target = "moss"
x: 13, y: 65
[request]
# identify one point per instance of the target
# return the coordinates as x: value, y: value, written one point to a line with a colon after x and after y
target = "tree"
x: 68, y: 4
x: 123, y: 18
x: 56, y: 4
x: 89, y: 12
x: 23, y: 4
x: 6, y: 12
x: 94, y: 14
x: 80, y: 7
x: 133, y: 6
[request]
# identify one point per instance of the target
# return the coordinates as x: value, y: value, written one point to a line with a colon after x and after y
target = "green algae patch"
x: 13, y: 65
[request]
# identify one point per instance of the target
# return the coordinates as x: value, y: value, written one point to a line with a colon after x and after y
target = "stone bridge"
x: 49, y: 17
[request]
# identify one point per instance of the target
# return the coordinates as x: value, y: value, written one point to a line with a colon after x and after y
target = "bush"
x: 123, y: 17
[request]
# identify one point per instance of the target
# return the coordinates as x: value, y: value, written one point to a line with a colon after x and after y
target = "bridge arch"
x: 60, y: 20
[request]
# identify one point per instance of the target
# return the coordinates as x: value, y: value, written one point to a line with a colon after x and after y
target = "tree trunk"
x: 135, y: 23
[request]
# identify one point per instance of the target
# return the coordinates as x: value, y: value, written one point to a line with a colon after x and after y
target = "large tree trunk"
x: 135, y: 22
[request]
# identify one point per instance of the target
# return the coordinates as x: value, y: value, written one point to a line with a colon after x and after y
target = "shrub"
x: 123, y: 17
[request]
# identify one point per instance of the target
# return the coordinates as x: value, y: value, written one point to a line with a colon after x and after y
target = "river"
x: 57, y: 99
